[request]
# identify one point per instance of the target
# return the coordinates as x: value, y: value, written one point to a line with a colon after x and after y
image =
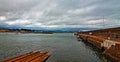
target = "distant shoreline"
x: 29, y: 32
x: 17, y: 31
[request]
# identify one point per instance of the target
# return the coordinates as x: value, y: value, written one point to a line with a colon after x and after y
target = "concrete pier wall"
x: 104, y: 39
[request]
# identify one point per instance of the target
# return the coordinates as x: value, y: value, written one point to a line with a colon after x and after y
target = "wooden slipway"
x: 35, y: 56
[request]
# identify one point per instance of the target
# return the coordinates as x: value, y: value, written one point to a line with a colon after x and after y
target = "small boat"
x: 34, y: 56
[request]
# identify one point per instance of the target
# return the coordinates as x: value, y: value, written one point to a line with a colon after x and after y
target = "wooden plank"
x: 38, y: 56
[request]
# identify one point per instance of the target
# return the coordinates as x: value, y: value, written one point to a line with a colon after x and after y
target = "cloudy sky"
x: 60, y: 13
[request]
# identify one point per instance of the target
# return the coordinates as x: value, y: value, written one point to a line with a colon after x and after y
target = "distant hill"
x: 70, y: 29
x: 61, y: 30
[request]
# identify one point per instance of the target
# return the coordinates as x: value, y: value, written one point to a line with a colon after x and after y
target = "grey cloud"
x: 70, y: 13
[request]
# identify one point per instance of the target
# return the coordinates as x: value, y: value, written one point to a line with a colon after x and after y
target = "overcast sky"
x: 60, y: 13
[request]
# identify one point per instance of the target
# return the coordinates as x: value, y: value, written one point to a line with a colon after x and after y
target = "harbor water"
x: 64, y: 46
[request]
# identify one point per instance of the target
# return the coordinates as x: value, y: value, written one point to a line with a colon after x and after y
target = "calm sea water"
x: 65, y: 47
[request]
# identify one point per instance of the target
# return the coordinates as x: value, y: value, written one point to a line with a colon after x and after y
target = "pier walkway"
x: 107, y: 40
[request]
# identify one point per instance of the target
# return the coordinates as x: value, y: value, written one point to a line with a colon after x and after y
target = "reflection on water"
x: 65, y: 47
